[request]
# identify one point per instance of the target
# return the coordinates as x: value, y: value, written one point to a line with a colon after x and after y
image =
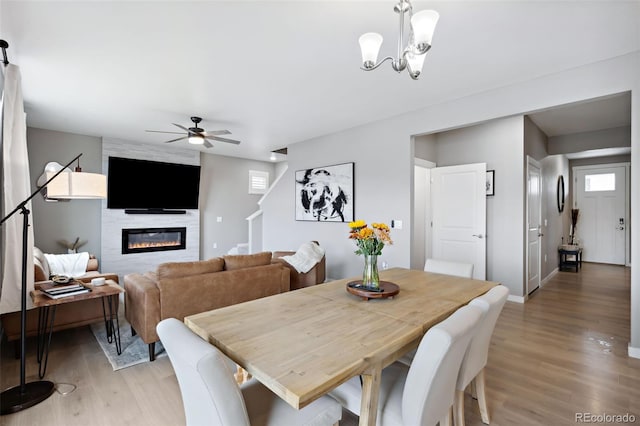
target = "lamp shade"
x: 370, y: 46
x: 424, y: 24
x: 77, y: 185
x: 196, y: 139
x: 415, y: 63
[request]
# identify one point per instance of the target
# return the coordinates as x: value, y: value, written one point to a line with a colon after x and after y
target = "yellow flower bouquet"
x: 370, y: 242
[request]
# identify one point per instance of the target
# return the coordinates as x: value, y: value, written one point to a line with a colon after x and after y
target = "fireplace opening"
x: 141, y: 240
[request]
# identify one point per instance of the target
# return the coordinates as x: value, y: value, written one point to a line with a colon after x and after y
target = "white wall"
x: 425, y: 147
x: 554, y: 224
x: 500, y: 144
x: 556, y: 230
x: 421, y: 210
x: 535, y: 141
x: 64, y: 220
x: 577, y: 142
x: 224, y: 193
x: 634, y: 345
x: 382, y: 190
x: 481, y: 143
x: 383, y: 158
x: 425, y: 155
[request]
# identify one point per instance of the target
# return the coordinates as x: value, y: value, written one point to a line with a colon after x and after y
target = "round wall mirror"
x: 560, y: 193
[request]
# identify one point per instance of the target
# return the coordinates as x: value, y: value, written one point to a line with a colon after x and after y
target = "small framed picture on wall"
x: 325, y: 194
x: 491, y: 175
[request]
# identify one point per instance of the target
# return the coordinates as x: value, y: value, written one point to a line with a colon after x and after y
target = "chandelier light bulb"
x: 370, y: 46
x: 415, y: 63
x: 423, y: 24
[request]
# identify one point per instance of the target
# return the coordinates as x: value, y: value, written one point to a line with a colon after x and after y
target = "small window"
x: 601, y: 182
x: 258, y: 182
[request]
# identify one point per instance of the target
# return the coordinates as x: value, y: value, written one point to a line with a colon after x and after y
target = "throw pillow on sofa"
x: 241, y: 261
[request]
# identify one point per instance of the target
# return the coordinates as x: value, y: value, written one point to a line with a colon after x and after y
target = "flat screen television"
x: 151, y: 185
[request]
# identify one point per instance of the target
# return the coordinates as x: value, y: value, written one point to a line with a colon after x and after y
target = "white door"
x: 534, y: 234
x: 602, y: 220
x: 459, y: 211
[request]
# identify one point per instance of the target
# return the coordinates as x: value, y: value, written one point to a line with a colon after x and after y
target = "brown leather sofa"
x: 180, y: 289
x: 68, y: 315
x: 315, y: 275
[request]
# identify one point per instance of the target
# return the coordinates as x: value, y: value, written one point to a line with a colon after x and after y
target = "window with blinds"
x: 258, y: 182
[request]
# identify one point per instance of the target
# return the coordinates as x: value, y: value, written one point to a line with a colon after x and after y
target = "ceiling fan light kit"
x: 196, y: 139
x: 421, y: 27
x: 198, y: 136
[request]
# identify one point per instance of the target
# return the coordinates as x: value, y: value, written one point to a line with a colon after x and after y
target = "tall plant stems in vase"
x: 574, y: 220
x: 370, y: 242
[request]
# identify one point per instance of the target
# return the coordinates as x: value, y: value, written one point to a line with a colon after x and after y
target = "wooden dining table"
x: 303, y: 343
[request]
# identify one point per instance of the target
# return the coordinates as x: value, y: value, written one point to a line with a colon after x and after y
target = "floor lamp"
x: 71, y: 185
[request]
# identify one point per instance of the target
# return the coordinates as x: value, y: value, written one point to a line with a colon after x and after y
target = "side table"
x: 109, y: 293
x: 570, y: 258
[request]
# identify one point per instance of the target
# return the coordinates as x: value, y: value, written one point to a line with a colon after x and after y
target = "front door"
x: 459, y: 210
x: 600, y: 199
x: 533, y: 224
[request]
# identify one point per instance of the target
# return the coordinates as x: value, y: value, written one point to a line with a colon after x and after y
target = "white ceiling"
x: 275, y: 73
x: 595, y: 114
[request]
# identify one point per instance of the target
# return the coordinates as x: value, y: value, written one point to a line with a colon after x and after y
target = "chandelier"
x: 421, y: 27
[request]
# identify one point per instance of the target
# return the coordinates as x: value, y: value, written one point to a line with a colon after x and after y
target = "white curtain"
x: 16, y: 188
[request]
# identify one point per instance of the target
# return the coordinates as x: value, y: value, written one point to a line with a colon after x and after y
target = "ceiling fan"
x: 197, y: 136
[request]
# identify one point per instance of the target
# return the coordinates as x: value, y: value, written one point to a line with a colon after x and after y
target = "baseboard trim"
x: 548, y: 277
x: 517, y: 299
x: 634, y: 352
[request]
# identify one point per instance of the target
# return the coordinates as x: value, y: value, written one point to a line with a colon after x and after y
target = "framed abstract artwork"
x: 325, y: 194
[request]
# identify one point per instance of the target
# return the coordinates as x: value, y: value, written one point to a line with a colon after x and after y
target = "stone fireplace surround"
x: 115, y: 220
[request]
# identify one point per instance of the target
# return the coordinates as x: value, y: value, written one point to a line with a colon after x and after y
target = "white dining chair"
x: 211, y: 396
x: 423, y: 393
x: 447, y: 267
x: 472, y: 368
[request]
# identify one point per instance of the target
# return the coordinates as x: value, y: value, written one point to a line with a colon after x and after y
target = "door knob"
x: 540, y: 235
x: 478, y: 236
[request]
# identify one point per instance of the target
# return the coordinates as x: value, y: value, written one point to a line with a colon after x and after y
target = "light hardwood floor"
x: 563, y: 352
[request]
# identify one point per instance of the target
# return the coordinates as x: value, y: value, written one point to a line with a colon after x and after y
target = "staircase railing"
x: 255, y: 232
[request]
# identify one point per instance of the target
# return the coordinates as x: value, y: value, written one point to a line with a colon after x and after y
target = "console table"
x: 109, y: 293
x: 570, y: 258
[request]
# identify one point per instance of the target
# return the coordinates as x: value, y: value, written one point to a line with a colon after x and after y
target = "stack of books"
x: 56, y: 292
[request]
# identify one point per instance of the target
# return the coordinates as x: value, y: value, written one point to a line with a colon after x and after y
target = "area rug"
x: 134, y: 350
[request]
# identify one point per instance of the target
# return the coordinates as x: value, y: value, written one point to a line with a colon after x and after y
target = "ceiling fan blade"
x: 215, y: 138
x: 178, y: 139
x: 161, y: 131
x: 216, y: 133
x: 182, y: 127
x: 207, y: 144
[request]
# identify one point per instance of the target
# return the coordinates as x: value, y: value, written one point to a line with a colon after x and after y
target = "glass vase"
x: 370, y: 277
